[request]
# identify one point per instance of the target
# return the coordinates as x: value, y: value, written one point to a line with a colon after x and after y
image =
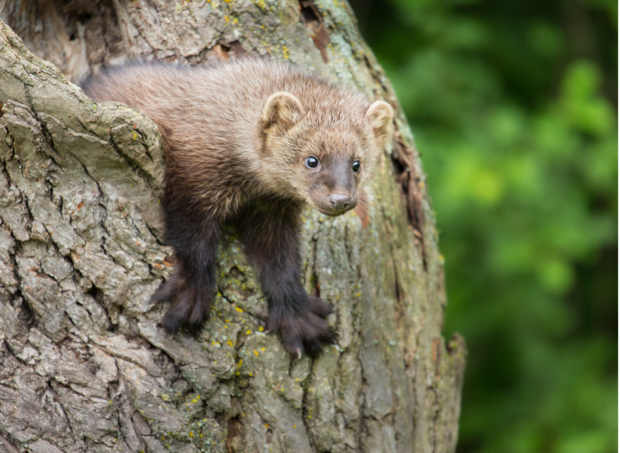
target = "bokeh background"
x: 513, y: 104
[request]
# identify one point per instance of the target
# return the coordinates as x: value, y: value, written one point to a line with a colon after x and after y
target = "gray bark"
x: 84, y: 365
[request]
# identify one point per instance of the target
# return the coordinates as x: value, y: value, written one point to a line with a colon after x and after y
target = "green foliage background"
x: 513, y: 105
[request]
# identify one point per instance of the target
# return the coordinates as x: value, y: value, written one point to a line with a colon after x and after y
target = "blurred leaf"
x: 513, y: 105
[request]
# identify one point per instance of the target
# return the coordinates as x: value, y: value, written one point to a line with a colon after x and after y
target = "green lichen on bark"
x: 85, y: 365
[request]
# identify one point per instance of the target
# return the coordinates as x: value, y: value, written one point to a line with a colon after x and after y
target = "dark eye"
x: 312, y: 162
x: 356, y: 166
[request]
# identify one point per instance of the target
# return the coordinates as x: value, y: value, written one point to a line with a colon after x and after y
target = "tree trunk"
x: 85, y: 367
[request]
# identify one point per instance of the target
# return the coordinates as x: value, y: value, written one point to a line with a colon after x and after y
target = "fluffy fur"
x: 236, y: 137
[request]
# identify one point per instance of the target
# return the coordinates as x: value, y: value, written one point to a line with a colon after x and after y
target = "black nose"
x: 339, y: 201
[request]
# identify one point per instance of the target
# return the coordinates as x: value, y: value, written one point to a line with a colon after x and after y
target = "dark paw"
x: 303, y: 331
x: 190, y: 307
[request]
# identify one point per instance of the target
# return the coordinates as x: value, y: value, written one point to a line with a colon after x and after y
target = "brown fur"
x: 237, y: 135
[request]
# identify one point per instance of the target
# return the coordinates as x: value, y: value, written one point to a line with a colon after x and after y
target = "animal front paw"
x: 303, y: 330
x: 190, y: 305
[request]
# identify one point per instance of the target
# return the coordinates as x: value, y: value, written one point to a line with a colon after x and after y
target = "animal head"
x: 323, y: 154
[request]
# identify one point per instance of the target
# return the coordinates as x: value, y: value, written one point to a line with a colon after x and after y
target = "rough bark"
x: 84, y: 365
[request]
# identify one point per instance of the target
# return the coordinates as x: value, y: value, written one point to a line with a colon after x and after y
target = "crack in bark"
x: 6, y: 445
x: 368, y: 78
x: 42, y: 125
x: 305, y: 413
x: 57, y: 401
x: 311, y: 17
x: 135, y: 165
x: 404, y: 159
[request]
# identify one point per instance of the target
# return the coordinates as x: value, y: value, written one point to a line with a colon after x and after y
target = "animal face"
x: 322, y: 158
x: 331, y: 167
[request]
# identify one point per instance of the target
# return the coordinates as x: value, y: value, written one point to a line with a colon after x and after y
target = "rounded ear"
x: 281, y: 112
x: 380, y: 115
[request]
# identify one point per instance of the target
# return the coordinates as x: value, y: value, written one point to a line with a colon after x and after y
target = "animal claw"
x: 298, y: 353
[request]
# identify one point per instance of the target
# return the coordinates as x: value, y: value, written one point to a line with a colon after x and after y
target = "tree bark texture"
x: 84, y: 364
